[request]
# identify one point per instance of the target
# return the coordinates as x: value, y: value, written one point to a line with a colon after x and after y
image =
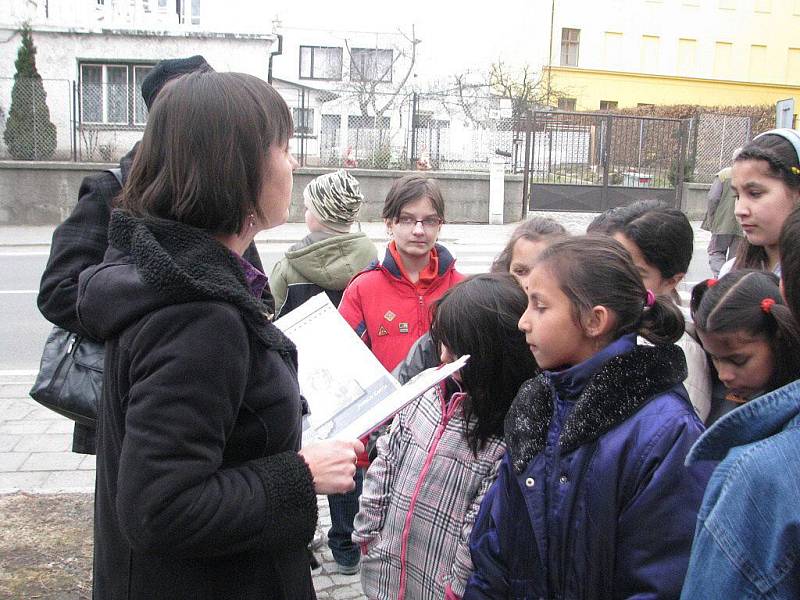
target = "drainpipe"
x: 277, y: 52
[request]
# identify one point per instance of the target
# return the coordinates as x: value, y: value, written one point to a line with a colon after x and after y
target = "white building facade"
x: 93, y: 54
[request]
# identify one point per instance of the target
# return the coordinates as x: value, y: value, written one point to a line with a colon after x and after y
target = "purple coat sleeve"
x: 665, y: 504
x: 502, y: 545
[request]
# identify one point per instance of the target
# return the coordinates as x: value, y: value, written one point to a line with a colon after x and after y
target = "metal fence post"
x: 412, y: 155
x: 73, y: 130
x: 679, y: 175
x: 606, y: 154
x: 526, y: 170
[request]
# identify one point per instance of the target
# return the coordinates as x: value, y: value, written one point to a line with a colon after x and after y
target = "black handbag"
x: 70, y: 378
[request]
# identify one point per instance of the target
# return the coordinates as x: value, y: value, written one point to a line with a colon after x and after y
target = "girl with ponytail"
x: 748, y: 332
x: 592, y: 499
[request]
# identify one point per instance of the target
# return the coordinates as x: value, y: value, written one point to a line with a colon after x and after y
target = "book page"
x: 348, y: 390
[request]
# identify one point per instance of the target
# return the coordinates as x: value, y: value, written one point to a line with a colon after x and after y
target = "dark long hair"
x: 780, y: 155
x: 596, y: 270
x: 201, y: 160
x: 663, y: 234
x: 479, y: 317
x: 533, y: 230
x: 789, y: 245
x: 750, y: 301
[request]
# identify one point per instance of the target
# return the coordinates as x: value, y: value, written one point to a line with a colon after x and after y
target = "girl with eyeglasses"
x: 388, y: 304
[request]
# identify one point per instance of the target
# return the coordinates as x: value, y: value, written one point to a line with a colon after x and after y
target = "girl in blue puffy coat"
x: 593, y: 499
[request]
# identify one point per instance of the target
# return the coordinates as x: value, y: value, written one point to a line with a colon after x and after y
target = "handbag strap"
x: 117, y: 173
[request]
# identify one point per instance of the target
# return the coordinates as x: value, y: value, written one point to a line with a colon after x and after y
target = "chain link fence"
x: 103, y: 116
x: 413, y: 131
x: 715, y: 137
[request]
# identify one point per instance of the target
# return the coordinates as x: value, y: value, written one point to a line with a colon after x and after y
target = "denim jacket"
x: 747, y: 542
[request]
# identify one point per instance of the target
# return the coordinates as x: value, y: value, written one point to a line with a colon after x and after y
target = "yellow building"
x: 623, y: 53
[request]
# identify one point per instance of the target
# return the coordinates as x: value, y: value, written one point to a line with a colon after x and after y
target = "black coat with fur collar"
x: 200, y: 491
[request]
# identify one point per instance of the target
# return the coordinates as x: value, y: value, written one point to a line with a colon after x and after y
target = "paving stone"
x: 345, y: 593
x: 24, y: 427
x: 340, y: 579
x: 88, y: 463
x: 69, y: 481
x: 322, y: 582
x: 11, y: 461
x: 46, y: 442
x: 9, y: 441
x: 52, y: 461
x: 22, y: 481
x: 14, y: 408
x: 39, y: 412
x: 62, y: 426
x: 16, y: 390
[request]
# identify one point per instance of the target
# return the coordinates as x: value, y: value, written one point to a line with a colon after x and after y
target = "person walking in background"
x: 592, y: 498
x: 82, y: 239
x: 748, y: 528
x: 202, y: 489
x: 329, y: 256
x: 720, y: 220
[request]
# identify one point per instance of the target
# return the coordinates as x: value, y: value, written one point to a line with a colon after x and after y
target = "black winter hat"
x: 169, y: 69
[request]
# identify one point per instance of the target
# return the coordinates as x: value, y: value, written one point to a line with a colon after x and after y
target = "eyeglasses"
x: 411, y: 222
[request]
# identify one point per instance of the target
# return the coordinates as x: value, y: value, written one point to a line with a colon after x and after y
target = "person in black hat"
x: 81, y: 240
x: 167, y: 70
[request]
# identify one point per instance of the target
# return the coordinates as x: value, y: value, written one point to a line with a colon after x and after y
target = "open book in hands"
x: 349, y: 392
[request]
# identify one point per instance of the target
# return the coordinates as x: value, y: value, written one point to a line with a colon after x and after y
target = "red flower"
x: 712, y: 282
x: 767, y: 304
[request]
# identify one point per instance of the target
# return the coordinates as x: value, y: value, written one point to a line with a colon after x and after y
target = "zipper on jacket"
x: 447, y: 413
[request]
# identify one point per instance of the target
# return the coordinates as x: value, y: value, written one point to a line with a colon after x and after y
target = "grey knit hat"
x: 334, y: 199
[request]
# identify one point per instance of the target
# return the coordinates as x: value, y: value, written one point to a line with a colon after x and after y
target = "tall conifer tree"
x: 29, y: 134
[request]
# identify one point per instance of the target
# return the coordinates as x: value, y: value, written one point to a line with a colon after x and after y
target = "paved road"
x: 23, y: 330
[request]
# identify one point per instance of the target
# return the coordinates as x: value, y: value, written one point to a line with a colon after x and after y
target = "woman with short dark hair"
x: 202, y: 490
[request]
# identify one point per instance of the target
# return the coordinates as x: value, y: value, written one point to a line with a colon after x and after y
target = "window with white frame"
x: 321, y: 62
x: 303, y: 121
x: 371, y: 64
x: 111, y: 94
x: 570, y: 43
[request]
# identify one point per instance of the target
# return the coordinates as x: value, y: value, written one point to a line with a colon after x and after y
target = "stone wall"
x: 41, y: 193
x: 693, y: 200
